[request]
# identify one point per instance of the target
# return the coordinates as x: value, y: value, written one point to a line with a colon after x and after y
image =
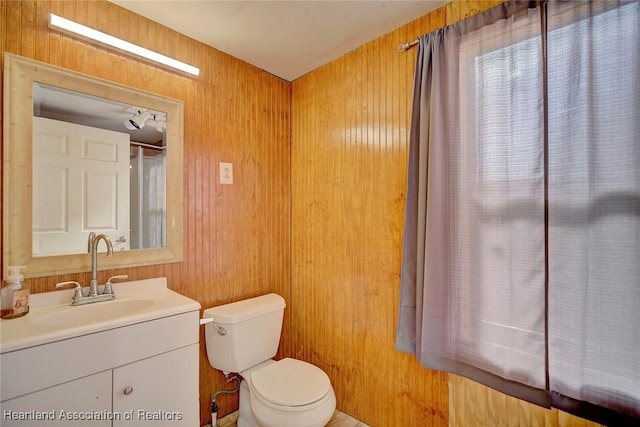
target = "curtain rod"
x: 142, y: 144
x: 406, y: 46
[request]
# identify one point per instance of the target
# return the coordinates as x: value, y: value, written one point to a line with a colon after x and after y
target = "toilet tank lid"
x: 240, y: 311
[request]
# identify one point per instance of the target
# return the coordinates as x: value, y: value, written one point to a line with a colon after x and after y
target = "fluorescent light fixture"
x: 66, y: 25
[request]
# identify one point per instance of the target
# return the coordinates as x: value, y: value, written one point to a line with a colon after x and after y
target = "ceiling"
x: 284, y: 38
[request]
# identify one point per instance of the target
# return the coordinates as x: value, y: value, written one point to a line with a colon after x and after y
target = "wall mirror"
x: 82, y: 155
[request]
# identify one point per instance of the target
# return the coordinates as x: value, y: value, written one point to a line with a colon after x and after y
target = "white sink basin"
x: 52, y: 318
x: 92, y: 313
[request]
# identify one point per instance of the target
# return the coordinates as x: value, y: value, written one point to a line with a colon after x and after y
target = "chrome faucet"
x: 94, y: 294
x: 93, y: 250
x: 106, y: 295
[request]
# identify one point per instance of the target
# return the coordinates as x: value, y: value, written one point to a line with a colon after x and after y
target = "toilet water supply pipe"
x: 214, y: 405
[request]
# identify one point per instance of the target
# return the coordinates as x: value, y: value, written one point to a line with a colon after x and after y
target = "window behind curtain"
x: 521, y: 255
x: 593, y: 200
x: 497, y: 274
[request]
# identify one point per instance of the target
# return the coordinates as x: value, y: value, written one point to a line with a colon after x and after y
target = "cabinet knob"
x: 127, y: 391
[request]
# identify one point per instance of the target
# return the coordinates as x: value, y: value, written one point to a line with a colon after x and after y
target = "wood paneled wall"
x: 236, y: 237
x: 472, y: 404
x: 350, y: 122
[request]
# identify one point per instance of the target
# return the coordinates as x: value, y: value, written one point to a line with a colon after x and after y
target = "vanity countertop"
x: 52, y: 318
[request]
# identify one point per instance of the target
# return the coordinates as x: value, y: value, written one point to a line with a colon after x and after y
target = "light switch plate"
x: 226, y: 173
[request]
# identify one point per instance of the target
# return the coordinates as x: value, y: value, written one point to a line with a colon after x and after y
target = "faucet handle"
x: 78, y: 289
x: 107, y: 286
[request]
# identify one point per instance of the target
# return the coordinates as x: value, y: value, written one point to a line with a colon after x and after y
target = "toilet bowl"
x: 242, y: 337
x: 287, y: 393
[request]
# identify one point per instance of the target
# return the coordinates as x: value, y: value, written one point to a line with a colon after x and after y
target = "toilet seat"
x: 290, y: 384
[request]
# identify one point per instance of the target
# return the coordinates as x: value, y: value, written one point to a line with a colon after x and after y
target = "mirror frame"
x: 17, y: 206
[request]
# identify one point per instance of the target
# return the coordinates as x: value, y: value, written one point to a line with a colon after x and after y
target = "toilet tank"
x: 244, y: 333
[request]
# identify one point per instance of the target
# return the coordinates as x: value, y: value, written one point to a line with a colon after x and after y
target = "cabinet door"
x: 160, y: 391
x: 73, y: 404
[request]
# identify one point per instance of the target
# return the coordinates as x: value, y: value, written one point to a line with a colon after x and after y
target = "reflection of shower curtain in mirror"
x: 153, y: 235
x: 147, y: 198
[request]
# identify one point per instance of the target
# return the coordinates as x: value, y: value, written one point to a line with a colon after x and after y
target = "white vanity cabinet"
x: 141, y: 372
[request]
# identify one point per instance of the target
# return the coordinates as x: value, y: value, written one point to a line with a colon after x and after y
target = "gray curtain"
x: 516, y: 128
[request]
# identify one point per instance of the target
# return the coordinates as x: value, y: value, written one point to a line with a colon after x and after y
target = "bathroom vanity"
x: 133, y: 361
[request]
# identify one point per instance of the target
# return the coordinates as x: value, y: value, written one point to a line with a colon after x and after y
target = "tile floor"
x: 343, y: 420
x: 339, y: 420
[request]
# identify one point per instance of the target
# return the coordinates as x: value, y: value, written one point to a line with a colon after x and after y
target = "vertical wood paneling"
x: 350, y: 121
x: 236, y: 238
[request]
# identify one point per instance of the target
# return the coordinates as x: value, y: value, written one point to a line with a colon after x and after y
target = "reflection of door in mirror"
x: 80, y: 185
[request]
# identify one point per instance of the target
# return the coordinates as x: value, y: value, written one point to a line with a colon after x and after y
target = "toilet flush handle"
x: 219, y: 329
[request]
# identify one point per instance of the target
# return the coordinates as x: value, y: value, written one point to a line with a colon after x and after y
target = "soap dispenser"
x: 14, y: 296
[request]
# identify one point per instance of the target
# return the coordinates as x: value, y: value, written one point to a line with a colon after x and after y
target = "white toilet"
x: 242, y: 338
